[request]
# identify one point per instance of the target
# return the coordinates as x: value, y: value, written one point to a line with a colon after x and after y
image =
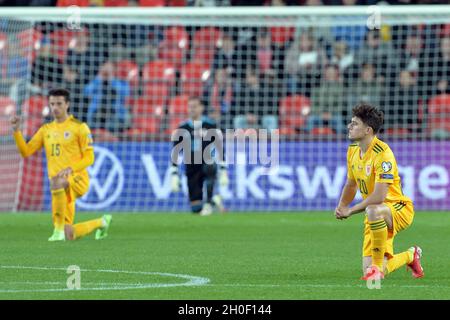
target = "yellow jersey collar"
x: 70, y: 117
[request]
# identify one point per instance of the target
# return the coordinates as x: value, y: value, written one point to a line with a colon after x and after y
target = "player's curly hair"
x: 369, y: 115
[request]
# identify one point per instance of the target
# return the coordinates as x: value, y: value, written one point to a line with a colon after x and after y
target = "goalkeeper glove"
x: 174, y: 178
x: 223, y: 176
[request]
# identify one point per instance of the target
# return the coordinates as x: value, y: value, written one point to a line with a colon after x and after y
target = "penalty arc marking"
x: 190, y: 280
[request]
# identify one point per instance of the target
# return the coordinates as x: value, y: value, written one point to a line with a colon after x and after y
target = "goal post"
x: 293, y: 71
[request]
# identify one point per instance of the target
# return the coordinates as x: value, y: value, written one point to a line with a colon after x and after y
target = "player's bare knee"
x: 373, y: 213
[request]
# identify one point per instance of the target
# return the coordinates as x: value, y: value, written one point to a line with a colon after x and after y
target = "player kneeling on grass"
x: 373, y: 169
x: 69, y: 151
x: 199, y: 137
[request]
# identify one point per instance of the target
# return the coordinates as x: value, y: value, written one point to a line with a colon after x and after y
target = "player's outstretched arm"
x: 25, y: 149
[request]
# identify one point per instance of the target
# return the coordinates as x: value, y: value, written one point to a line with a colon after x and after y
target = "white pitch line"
x: 192, y: 280
x: 320, y: 285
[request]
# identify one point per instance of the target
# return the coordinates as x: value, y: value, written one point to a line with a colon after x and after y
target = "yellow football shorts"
x: 78, y: 186
x: 402, y: 217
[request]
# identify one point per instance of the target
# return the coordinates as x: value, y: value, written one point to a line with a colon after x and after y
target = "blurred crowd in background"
x: 134, y: 80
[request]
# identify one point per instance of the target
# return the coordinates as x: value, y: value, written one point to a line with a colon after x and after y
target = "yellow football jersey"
x: 378, y: 164
x: 65, y: 144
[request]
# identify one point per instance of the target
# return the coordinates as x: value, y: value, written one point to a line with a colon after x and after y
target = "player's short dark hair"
x: 369, y: 115
x: 196, y: 98
x: 60, y: 92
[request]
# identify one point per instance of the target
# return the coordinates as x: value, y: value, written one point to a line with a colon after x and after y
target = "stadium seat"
x: 7, y: 106
x: 174, y: 46
x: 439, y: 113
x: 158, y: 78
x: 102, y: 135
x: 174, y: 122
x: 205, y: 42
x: 3, y: 41
x: 293, y: 111
x: 62, y: 40
x: 193, y: 75
x: 398, y: 132
x: 7, y: 109
x: 129, y: 71
x: 176, y: 3
x: 146, y: 125
x: 29, y: 40
x: 35, y: 106
x: 68, y: 3
x: 179, y: 105
x: 115, y: 3
x: 208, y: 37
x: 148, y: 115
x: 281, y: 35
x: 152, y: 3
x: 177, y: 37
x: 178, y: 112
x: 204, y: 55
x: 35, y: 109
x: 146, y: 105
x: 159, y: 71
x: 156, y: 93
x: 322, y: 131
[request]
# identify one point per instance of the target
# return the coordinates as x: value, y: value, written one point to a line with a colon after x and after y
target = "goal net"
x: 294, y: 72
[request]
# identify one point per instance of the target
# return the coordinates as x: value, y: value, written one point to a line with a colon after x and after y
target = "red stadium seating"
x: 67, y: 3
x: 62, y: 40
x: 3, y: 54
x: 3, y: 41
x: 439, y: 112
x: 208, y: 37
x: 158, y: 77
x: 129, y: 71
x: 157, y: 93
x: 322, y: 131
x: 102, y: 135
x: 293, y: 113
x: 7, y: 106
x: 206, y: 40
x: 176, y: 3
x: 281, y: 35
x: 178, y: 112
x: 174, y: 46
x: 179, y: 105
x: 398, y: 132
x: 7, y: 109
x: 159, y: 71
x: 193, y: 75
x: 146, y: 106
x: 174, y: 122
x: 34, y: 108
x: 147, y: 117
x: 115, y: 3
x: 177, y: 37
x: 152, y: 3
x: 30, y: 42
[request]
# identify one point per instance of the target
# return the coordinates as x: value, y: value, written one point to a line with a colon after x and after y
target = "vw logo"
x: 106, y: 181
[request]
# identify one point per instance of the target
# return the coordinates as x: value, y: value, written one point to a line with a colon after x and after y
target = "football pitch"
x: 257, y: 256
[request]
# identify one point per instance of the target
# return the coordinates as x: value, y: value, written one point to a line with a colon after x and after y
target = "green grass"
x: 244, y: 256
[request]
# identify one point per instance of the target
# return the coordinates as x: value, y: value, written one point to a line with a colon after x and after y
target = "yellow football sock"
x: 399, y: 260
x: 59, y: 207
x: 84, y: 228
x: 379, y: 232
